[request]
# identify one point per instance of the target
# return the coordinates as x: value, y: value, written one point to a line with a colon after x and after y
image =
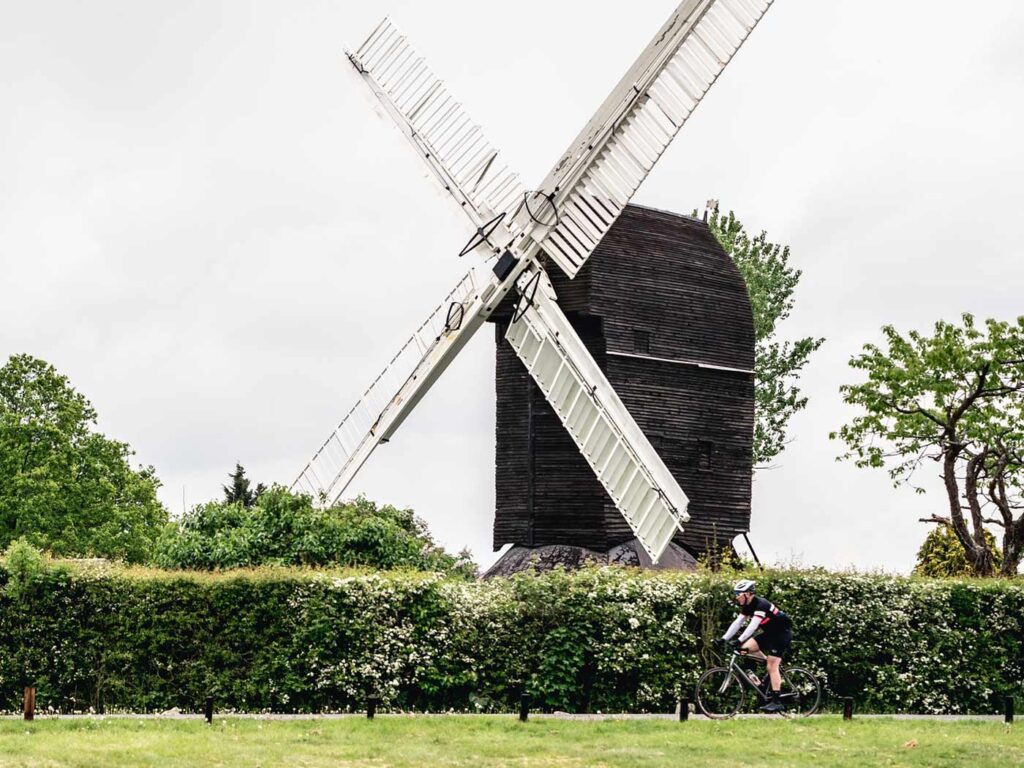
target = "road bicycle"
x: 722, y: 692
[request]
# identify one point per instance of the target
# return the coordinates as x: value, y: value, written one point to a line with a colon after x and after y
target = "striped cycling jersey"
x: 771, y: 617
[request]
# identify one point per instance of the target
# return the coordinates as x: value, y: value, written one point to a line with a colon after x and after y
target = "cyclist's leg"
x: 752, y: 649
x: 775, y: 671
x: 776, y: 646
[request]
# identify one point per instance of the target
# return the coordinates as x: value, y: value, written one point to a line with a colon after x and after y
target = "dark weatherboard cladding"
x: 666, y: 315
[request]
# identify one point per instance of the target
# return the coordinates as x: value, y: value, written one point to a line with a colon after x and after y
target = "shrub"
x: 281, y: 528
x: 599, y: 640
x: 942, y: 555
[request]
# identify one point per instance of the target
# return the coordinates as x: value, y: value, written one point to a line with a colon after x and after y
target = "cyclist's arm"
x: 735, y: 627
x: 755, y: 622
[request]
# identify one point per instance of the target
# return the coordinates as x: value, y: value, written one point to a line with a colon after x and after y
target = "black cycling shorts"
x: 776, y: 643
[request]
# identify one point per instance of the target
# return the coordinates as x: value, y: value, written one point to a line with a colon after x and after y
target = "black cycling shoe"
x: 773, y: 706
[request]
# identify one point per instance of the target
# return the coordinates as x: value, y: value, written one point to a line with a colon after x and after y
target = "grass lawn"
x: 486, y: 741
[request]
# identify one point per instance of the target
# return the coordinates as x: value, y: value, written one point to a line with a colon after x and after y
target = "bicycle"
x: 722, y: 691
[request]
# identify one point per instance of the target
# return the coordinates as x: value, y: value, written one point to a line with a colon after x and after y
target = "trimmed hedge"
x: 598, y: 640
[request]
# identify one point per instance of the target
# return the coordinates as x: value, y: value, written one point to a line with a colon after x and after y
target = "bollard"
x: 208, y: 710
x: 371, y: 706
x: 1008, y: 711
x: 30, y: 703
x: 684, y: 710
x: 847, y: 708
x: 524, y: 707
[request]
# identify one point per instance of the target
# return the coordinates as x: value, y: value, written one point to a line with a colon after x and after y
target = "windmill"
x: 518, y: 231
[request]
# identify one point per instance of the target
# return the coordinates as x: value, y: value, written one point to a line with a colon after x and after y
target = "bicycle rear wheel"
x: 719, y: 694
x: 801, y: 692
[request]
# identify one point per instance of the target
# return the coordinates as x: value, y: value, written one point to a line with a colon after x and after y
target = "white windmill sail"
x: 595, y: 179
x: 637, y: 480
x: 394, y: 393
x: 453, y: 146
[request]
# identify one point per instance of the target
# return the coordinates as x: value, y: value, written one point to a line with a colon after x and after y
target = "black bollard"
x: 847, y: 708
x: 1008, y: 711
x: 524, y: 707
x: 208, y: 710
x: 371, y: 706
x: 684, y: 710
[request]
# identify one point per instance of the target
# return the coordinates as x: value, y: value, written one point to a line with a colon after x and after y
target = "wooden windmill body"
x: 665, y: 313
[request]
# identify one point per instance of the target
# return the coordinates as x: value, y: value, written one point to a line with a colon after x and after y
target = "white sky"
x: 204, y: 224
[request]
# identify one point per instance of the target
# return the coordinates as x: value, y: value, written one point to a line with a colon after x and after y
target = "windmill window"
x: 705, y: 450
x: 642, y: 342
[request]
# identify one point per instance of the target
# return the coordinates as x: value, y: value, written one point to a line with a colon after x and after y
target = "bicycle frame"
x: 741, y: 675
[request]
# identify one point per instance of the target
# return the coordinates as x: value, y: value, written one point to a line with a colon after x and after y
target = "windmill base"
x: 520, y: 559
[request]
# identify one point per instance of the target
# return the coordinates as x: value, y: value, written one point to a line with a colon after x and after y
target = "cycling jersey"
x: 772, y: 619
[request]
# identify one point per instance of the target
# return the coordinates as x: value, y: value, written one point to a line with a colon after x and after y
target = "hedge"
x: 598, y: 640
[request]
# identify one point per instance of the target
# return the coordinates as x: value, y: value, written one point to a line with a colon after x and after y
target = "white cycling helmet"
x: 744, y: 585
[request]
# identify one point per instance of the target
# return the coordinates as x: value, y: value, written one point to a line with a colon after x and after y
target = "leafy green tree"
x: 240, y: 491
x: 942, y: 556
x: 63, y: 486
x: 27, y: 573
x: 771, y: 283
x: 282, y: 528
x: 955, y: 398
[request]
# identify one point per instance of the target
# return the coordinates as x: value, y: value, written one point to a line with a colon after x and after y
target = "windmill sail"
x: 635, y: 477
x: 394, y: 393
x: 454, y: 147
x: 595, y: 179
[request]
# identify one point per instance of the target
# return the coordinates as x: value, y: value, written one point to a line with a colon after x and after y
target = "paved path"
x: 173, y: 715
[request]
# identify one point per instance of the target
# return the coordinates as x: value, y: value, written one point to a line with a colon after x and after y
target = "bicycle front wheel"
x: 801, y: 692
x: 720, y: 694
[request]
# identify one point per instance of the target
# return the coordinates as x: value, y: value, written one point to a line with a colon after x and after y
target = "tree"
x: 63, y: 486
x: 942, y: 556
x: 771, y: 283
x: 239, y: 490
x: 956, y: 398
x: 282, y: 528
x: 29, y: 576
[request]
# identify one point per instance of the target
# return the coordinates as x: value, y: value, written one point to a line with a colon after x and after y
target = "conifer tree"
x: 239, y: 491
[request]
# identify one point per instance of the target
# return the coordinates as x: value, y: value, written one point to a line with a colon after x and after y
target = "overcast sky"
x: 207, y: 227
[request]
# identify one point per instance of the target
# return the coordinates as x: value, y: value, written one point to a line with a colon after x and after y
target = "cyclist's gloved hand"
x: 733, y: 645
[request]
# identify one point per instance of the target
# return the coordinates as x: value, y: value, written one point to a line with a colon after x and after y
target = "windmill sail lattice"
x: 452, y: 144
x: 597, y: 176
x: 383, y: 407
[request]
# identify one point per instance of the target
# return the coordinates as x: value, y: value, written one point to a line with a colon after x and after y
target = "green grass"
x: 482, y: 741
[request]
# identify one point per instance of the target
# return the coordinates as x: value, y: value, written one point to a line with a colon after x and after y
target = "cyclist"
x: 772, y: 644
